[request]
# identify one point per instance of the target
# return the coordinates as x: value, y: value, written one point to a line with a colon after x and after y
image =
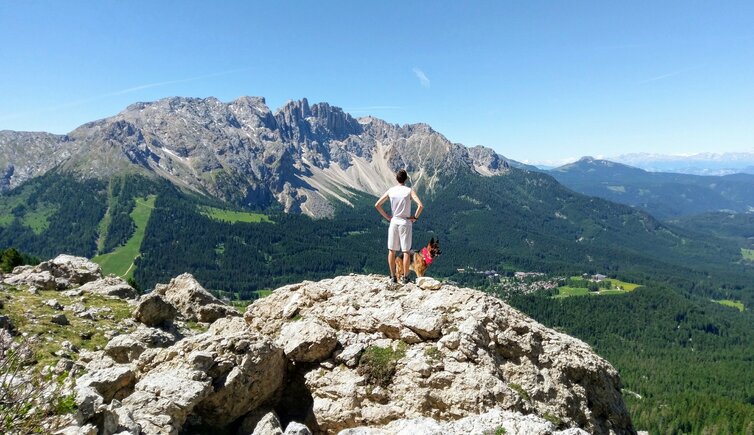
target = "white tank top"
x: 400, y: 203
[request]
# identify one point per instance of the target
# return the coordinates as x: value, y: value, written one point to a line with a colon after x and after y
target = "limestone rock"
x: 428, y: 283
x: 307, y: 340
x: 354, y: 353
x: 471, y: 353
x: 153, y: 310
x: 111, y: 286
x: 296, y: 428
x: 261, y: 423
x: 217, y: 376
x: 77, y: 270
x: 53, y: 303
x: 127, y: 347
x: 56, y: 274
x: 87, y: 429
x: 488, y: 423
x: 110, y: 383
x: 192, y: 301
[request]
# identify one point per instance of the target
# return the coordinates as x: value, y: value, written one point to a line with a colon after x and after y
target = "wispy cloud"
x: 130, y: 90
x: 169, y: 82
x: 423, y: 79
x: 668, y: 75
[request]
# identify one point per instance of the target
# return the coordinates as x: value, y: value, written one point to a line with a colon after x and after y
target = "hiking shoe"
x: 405, y: 280
x: 393, y: 280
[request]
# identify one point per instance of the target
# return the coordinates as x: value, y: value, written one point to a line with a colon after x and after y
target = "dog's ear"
x: 432, y: 241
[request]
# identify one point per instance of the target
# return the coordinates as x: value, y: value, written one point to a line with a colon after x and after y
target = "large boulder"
x: 307, y: 340
x: 444, y: 354
x: 57, y: 274
x: 153, y: 310
x: 111, y: 286
x: 128, y: 347
x: 216, y: 377
x: 192, y: 301
x: 110, y: 383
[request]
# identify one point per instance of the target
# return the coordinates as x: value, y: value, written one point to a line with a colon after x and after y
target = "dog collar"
x: 427, y: 258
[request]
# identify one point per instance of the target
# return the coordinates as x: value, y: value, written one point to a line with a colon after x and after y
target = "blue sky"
x: 537, y: 81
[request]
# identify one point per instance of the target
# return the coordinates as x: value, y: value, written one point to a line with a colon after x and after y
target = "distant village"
x: 525, y: 282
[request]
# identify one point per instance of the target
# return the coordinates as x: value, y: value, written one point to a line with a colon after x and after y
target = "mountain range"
x: 302, y: 156
x: 664, y: 195
x: 695, y: 164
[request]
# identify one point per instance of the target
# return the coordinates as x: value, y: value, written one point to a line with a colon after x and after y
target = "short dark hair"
x: 401, y: 176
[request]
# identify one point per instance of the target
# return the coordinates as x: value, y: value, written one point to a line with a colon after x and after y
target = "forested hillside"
x: 663, y: 195
x: 686, y: 363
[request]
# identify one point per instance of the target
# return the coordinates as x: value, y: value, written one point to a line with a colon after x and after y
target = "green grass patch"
x: 104, y: 224
x: 748, y: 254
x: 433, y: 353
x: 121, y: 261
x: 378, y: 364
x: 231, y: 216
x: 627, y: 286
x: 554, y: 419
x: 566, y: 291
x: 39, y: 218
x: 29, y: 314
x: 264, y: 293
x: 617, y: 287
x: 520, y: 390
x: 731, y: 303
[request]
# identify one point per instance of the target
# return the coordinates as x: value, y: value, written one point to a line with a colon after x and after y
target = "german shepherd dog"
x: 420, y: 260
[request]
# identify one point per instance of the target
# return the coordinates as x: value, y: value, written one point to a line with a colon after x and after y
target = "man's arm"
x: 378, y: 206
x: 419, y: 205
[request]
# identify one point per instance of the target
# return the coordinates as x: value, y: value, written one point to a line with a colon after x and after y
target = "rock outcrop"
x: 192, y: 301
x: 59, y: 273
x: 112, y: 286
x: 357, y: 355
x: 405, y: 352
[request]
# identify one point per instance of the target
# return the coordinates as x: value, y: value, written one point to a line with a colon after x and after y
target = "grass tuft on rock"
x: 378, y: 364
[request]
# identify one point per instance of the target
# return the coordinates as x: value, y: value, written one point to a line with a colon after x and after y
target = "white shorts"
x: 399, y: 236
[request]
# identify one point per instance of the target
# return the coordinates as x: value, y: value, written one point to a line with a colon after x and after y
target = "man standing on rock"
x: 401, y: 222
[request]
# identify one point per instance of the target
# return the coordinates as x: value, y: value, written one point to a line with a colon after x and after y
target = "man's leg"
x: 406, y: 263
x: 391, y: 261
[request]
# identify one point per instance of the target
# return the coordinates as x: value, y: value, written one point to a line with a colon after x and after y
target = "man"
x: 401, y: 221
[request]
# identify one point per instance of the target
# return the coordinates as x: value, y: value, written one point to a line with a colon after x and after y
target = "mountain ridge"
x: 662, y: 194
x: 302, y: 156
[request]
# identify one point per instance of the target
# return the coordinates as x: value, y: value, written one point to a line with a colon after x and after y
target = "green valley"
x: 578, y: 286
x: 232, y: 216
x: 121, y: 261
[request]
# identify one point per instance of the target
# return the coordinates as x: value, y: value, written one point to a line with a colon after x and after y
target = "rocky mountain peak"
x: 319, y: 123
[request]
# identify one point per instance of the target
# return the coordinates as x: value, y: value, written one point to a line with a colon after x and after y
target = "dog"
x: 420, y: 260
